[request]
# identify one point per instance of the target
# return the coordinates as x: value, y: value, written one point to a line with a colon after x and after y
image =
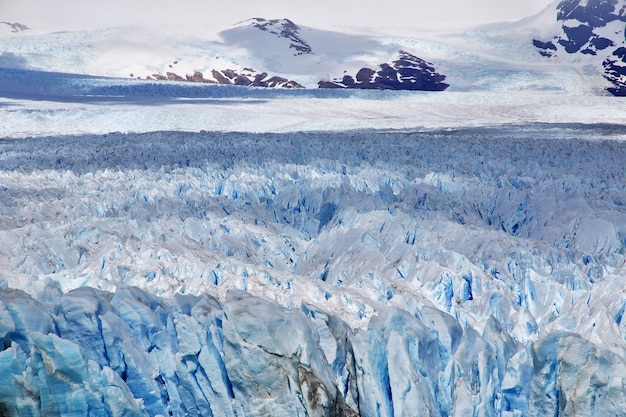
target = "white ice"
x: 311, y: 252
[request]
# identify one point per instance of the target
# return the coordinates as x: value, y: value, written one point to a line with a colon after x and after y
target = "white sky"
x: 317, y: 13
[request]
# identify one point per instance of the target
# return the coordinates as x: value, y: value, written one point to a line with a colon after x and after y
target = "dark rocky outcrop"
x: 15, y: 27
x: 247, y: 77
x: 615, y: 71
x: 405, y: 72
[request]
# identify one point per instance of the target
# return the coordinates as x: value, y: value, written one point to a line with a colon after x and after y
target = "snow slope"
x: 492, y: 58
x: 142, y: 52
x: 589, y: 33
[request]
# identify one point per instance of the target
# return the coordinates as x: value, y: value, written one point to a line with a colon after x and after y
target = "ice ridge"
x: 467, y: 272
x: 89, y: 352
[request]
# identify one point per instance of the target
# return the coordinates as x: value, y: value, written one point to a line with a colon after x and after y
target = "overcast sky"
x: 383, y: 13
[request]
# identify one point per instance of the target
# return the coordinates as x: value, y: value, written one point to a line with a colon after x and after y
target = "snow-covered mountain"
x: 283, y: 28
x: 278, y: 52
x: 591, y: 31
x: 257, y: 52
x: 569, y: 46
x: 406, y: 72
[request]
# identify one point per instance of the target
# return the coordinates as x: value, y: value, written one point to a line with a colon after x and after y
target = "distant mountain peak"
x: 15, y: 27
x: 405, y: 72
x: 283, y: 28
x: 594, y: 13
x: 592, y: 28
x: 584, y: 27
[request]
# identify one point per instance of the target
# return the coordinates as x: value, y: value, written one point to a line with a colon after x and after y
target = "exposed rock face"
x: 15, y: 27
x: 282, y: 47
x: 582, y: 22
x: 197, y: 77
x: 406, y: 72
x: 615, y: 71
x: 221, y: 79
x: 284, y: 28
x: 247, y: 77
x: 595, y: 28
x: 174, y: 77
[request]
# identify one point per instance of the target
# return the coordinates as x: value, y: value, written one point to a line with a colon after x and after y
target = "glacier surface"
x: 446, y: 272
x: 169, y: 249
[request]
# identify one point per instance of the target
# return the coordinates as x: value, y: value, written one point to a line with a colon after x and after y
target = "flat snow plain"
x: 131, y: 108
x: 506, y: 212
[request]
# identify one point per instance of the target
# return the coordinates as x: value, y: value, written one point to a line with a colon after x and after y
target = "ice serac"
x: 194, y: 356
x: 130, y: 352
x: 574, y: 377
x: 359, y: 273
x: 275, y: 360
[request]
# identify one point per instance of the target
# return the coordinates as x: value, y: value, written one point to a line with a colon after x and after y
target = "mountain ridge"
x: 405, y: 72
x: 593, y: 31
x: 15, y: 27
x: 583, y: 39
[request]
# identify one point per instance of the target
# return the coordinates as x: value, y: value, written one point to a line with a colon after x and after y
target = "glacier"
x: 181, y: 249
x: 444, y: 272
